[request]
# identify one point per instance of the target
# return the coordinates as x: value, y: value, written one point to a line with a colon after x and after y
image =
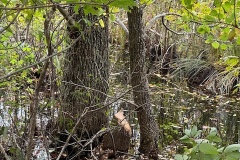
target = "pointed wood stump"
x: 119, y: 138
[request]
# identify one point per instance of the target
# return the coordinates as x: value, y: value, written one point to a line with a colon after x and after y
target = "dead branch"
x: 34, y: 104
x: 162, y: 16
x: 121, y: 24
x: 65, y: 14
x: 99, y: 133
x: 4, y: 153
x: 152, y: 21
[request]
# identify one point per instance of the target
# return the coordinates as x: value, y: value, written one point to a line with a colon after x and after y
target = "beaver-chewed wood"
x: 118, y: 139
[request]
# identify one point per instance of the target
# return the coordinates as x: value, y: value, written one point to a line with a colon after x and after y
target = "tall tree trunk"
x: 149, y: 130
x: 85, y: 75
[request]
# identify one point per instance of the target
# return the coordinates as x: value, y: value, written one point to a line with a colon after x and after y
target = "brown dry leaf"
x: 231, y: 34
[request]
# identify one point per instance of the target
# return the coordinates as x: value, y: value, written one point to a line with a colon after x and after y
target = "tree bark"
x: 85, y: 75
x: 149, y: 130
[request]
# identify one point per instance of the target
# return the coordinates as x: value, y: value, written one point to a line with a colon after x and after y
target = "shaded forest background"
x: 119, y: 79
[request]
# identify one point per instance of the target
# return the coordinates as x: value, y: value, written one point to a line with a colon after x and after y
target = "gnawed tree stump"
x: 119, y: 138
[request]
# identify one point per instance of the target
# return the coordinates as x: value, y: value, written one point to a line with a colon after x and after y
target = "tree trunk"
x: 149, y: 130
x: 85, y: 75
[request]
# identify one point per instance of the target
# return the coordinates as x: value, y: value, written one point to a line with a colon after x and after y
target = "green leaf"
x: 29, y: 16
x: 187, y: 132
x: 217, y: 3
x: 221, y: 149
x: 203, y: 29
x: 197, y: 133
x: 13, y: 61
x: 229, y: 19
x: 112, y: 17
x: 238, y: 40
x: 226, y: 30
x: 225, y: 33
x: 233, y: 156
x: 227, y: 6
x: 231, y: 148
x: 207, y: 148
x: 188, y: 4
x: 185, y: 18
x: 4, y: 1
x: 213, y: 131
x: 101, y: 23
x: 210, y: 18
x: 194, y: 149
x: 199, y: 141
x: 180, y: 157
x: 90, y: 10
x: 215, y: 45
x: 193, y: 131
x: 76, y: 8
x: 214, y: 13
x: 146, y: 2
x: 223, y: 46
x: 209, y: 39
x: 221, y: 16
x: 87, y: 21
x: 231, y: 60
x: 187, y: 139
x: 215, y: 139
x: 184, y: 137
x: 40, y: 35
x: 24, y: 74
x: 125, y: 4
x: 210, y: 157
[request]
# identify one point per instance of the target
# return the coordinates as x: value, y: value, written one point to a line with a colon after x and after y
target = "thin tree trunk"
x: 149, y: 130
x: 35, y: 101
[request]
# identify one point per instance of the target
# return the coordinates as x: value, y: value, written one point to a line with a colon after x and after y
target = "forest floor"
x: 42, y: 151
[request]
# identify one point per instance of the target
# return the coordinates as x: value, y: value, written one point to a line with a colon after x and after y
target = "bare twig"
x: 52, y: 5
x: 163, y: 22
x: 14, y: 18
x: 99, y: 133
x: 151, y: 22
x: 43, y: 60
x: 115, y: 99
x: 71, y: 134
x: 3, y: 151
x: 65, y: 14
x: 162, y: 16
